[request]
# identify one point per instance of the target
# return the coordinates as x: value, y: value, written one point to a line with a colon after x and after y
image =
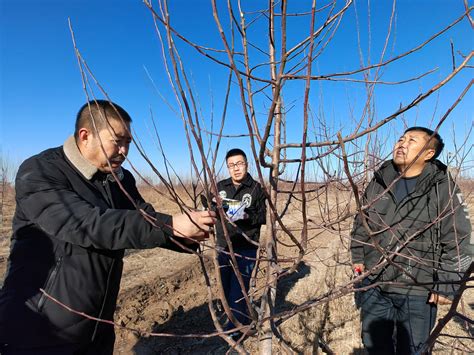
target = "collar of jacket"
x: 247, y: 181
x: 432, y: 172
x: 74, y: 155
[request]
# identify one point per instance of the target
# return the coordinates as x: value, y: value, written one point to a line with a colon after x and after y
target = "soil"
x: 162, y: 292
x: 165, y: 292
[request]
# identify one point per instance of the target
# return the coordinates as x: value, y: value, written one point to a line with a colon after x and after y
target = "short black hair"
x: 435, y: 143
x: 101, y: 111
x: 234, y: 152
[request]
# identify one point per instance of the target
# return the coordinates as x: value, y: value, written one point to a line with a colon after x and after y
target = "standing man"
x: 415, y: 222
x: 248, y: 215
x: 77, y: 210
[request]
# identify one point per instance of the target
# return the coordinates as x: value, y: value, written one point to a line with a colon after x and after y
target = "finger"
x: 202, y: 216
x: 201, y: 236
x: 207, y: 214
x: 444, y: 300
x: 359, y: 266
x: 207, y: 221
x: 205, y: 229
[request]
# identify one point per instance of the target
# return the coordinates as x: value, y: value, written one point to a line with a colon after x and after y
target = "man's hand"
x: 359, y: 267
x: 438, y: 299
x: 195, y: 225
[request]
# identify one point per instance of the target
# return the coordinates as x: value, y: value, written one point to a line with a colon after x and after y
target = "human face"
x: 110, y: 144
x: 237, y: 166
x: 407, y: 148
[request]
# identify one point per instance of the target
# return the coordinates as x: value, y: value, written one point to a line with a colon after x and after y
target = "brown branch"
x: 320, y: 77
x: 451, y: 313
x: 389, y: 118
x: 140, y: 333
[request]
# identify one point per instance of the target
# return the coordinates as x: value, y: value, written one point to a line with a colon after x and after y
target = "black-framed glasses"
x: 238, y: 165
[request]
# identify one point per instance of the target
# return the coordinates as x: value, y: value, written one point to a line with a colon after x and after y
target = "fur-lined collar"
x: 74, y: 155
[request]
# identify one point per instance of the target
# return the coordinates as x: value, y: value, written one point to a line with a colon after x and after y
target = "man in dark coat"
x: 77, y: 210
x: 414, y: 236
x: 244, y: 201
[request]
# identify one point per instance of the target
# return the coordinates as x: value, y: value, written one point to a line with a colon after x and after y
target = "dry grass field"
x: 165, y: 292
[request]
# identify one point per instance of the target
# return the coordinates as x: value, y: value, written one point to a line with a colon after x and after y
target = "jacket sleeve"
x: 359, y: 234
x: 46, y: 199
x: 162, y: 220
x: 456, y: 244
x: 358, y: 237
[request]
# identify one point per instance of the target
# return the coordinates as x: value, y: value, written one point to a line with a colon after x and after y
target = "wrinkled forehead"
x: 117, y: 128
x: 416, y: 135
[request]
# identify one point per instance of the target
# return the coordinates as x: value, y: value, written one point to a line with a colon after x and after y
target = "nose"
x: 123, y: 148
x: 401, y: 144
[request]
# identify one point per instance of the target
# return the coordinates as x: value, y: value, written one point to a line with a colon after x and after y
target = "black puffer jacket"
x: 429, y: 230
x: 70, y: 230
x: 251, y: 194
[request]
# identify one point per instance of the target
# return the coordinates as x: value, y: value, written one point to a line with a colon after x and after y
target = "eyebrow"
x: 123, y: 137
x: 408, y: 135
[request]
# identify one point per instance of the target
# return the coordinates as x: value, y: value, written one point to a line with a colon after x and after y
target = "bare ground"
x: 165, y: 292
x: 167, y: 301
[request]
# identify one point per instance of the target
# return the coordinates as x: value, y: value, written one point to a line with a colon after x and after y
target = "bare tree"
x: 270, y: 54
x: 7, y: 172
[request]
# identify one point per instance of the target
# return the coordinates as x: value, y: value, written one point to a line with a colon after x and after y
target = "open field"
x: 165, y: 292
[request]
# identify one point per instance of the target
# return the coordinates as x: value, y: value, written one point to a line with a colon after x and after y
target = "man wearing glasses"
x: 244, y: 202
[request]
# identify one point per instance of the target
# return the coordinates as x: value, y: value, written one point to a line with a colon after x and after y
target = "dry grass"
x: 165, y: 290
x: 337, y: 322
x: 7, y: 209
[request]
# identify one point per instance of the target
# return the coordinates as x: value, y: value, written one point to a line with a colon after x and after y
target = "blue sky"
x: 41, y: 89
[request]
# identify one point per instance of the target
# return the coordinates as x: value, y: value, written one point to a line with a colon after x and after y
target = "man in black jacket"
x: 244, y: 201
x: 77, y: 210
x: 413, y: 234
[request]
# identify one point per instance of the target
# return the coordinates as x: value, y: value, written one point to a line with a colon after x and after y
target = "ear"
x: 429, y: 154
x: 84, y: 136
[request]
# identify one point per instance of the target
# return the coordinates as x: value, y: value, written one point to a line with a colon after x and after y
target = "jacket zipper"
x: 108, y: 193
x: 105, y: 298
x: 50, y: 282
